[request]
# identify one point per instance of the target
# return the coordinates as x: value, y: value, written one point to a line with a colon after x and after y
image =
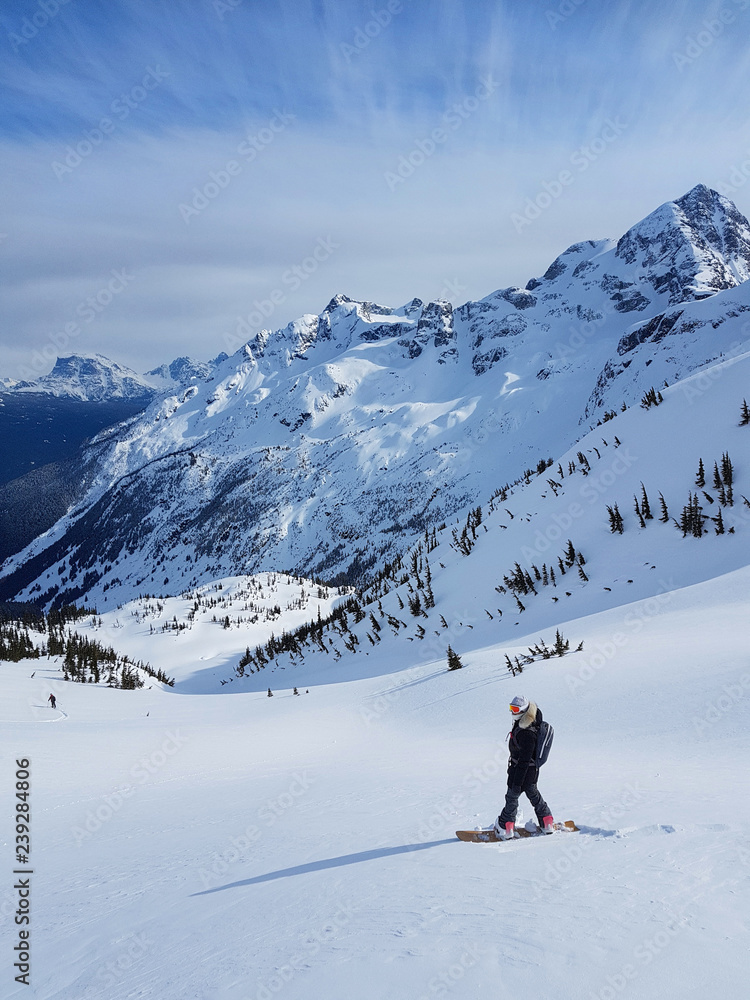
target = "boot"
x: 506, y: 831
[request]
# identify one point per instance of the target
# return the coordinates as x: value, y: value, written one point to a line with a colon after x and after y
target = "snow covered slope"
x: 545, y: 552
x: 324, y: 447
x: 228, y: 848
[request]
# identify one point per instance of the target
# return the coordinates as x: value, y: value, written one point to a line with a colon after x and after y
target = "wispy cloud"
x: 362, y: 87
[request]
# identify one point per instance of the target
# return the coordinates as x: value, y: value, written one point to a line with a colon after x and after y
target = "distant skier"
x: 523, y: 773
x: 52, y: 700
x: 295, y: 691
x: 270, y: 693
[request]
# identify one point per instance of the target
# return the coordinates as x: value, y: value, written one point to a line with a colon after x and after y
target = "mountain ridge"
x: 322, y: 447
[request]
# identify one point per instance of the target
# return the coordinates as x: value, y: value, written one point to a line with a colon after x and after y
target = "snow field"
x: 250, y: 847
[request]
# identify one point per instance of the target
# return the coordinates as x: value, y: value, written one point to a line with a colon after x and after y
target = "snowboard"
x: 490, y: 837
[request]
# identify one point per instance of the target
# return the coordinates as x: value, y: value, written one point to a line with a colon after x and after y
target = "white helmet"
x: 519, y: 706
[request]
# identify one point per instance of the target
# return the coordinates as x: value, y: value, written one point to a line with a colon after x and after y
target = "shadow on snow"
x: 340, y: 862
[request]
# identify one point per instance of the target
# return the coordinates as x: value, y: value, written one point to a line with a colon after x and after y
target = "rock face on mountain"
x: 325, y: 446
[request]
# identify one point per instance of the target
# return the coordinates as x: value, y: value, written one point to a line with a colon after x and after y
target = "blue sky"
x: 171, y: 166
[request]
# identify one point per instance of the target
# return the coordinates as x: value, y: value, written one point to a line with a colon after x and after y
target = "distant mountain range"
x: 96, y: 379
x: 44, y: 423
x: 326, y: 446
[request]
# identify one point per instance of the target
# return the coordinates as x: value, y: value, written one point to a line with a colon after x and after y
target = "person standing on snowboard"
x: 523, y: 773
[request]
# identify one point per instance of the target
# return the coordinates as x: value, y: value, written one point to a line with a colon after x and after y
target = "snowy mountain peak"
x: 184, y: 371
x: 692, y: 247
x: 91, y: 377
x: 324, y: 445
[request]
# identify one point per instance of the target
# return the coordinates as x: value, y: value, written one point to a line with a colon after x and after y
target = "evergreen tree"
x: 415, y: 604
x: 638, y: 512
x: 561, y: 645
x: 454, y: 660
x: 429, y: 596
x: 570, y: 554
x: 615, y: 519
x: 717, y: 477
x: 645, y: 505
x: 744, y: 414
x: 700, y: 479
x: 664, y: 512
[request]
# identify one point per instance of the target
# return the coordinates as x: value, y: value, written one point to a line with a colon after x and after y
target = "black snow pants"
x: 528, y: 788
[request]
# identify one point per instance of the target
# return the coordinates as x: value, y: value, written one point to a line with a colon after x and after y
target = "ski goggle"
x: 516, y: 709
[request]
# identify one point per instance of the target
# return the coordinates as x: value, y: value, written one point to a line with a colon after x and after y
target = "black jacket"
x: 522, y: 745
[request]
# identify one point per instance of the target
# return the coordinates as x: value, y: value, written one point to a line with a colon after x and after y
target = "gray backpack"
x: 543, y: 743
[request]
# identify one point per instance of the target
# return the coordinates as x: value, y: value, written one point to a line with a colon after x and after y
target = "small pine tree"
x: 719, y: 522
x: 744, y: 414
x: 561, y: 645
x: 616, y: 524
x: 717, y: 477
x: 454, y: 660
x: 638, y: 512
x: 700, y: 478
x: 664, y: 512
x: 645, y: 505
